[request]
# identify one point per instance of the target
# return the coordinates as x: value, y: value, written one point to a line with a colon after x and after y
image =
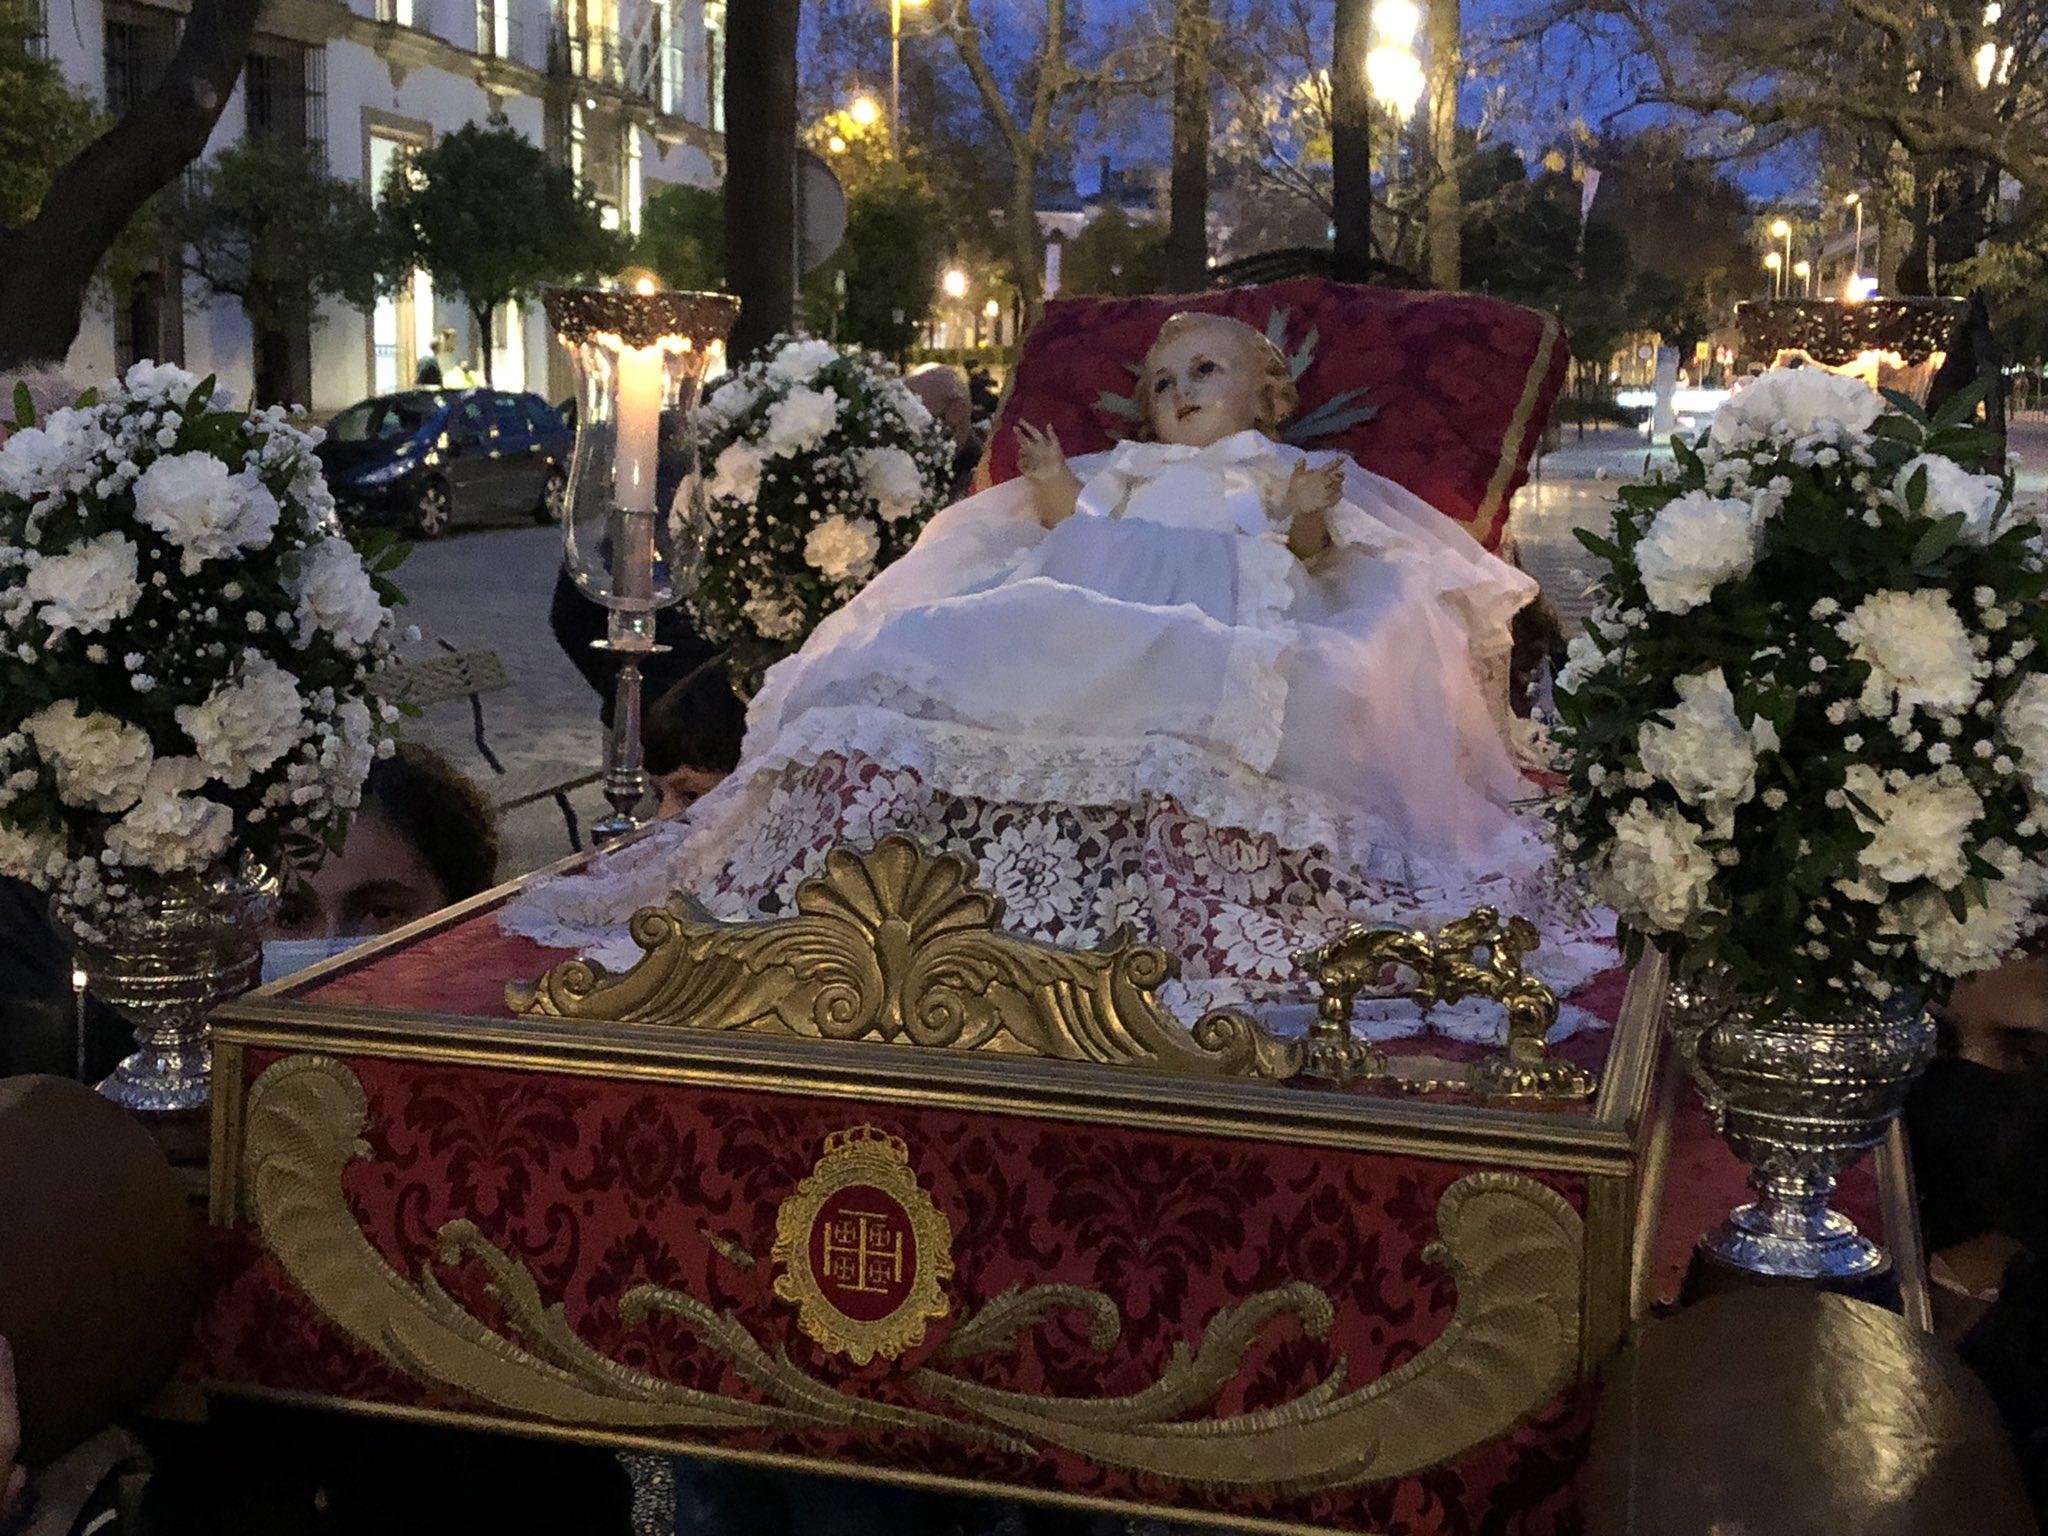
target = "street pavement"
x: 490, y: 588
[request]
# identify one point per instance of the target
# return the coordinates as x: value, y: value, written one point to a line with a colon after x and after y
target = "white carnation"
x: 1951, y: 489
x: 736, y: 474
x: 774, y: 618
x: 800, y: 421
x: 2025, y: 723
x: 88, y: 588
x: 800, y: 361
x: 34, y: 459
x: 1706, y: 754
x: 1917, y: 650
x: 171, y: 828
x: 100, y: 762
x: 891, y: 477
x: 1919, y: 830
x: 914, y: 411
x: 192, y: 500
x: 1582, y: 657
x: 335, y: 593
x: 843, y: 548
x: 1795, y: 402
x: 1656, y: 875
x: 30, y: 856
x: 1695, y: 543
x: 1988, y: 933
x: 246, y: 724
x: 159, y: 381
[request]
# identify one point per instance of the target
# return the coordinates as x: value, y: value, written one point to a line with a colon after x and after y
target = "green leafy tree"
x: 494, y: 220
x: 265, y: 224
x: 43, y: 122
x: 1114, y: 255
x: 682, y: 237
x: 891, y: 257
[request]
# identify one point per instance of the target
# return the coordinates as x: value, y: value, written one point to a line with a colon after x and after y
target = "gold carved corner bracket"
x: 903, y: 946
x: 1445, y: 971
x: 1513, y: 1246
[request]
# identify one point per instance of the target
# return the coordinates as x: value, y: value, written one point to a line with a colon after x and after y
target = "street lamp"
x: 1855, y: 200
x: 836, y: 144
x: 1781, y: 230
x: 896, y: 68
x: 954, y: 283
x: 1804, y: 268
x: 1776, y: 264
x: 864, y: 111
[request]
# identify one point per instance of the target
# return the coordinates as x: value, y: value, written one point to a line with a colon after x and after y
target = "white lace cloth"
x: 1153, y: 715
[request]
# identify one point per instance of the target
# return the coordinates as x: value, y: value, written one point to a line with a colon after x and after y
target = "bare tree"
x: 1187, y: 235
x: 760, y: 166
x: 48, y: 262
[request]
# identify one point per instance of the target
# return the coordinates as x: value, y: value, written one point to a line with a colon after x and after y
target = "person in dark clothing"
x: 691, y: 735
x: 428, y: 374
x: 578, y: 623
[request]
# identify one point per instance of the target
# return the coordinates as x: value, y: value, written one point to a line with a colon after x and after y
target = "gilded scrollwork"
x: 901, y: 945
x: 1512, y: 1245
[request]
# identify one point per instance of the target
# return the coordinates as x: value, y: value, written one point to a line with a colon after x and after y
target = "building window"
x: 494, y: 28
x: 670, y: 42
x: 633, y: 188
x: 139, y: 42
x: 286, y: 83
x: 148, y: 319
x: 714, y: 65
x: 35, y: 30
x: 399, y: 12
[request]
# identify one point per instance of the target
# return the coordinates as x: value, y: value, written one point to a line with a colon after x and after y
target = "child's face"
x: 1201, y: 386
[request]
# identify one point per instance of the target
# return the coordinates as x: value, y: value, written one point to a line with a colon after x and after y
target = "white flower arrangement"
x: 820, y: 468
x: 1806, y: 731
x: 186, y: 642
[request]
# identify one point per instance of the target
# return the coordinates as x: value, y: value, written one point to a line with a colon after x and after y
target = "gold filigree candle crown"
x: 578, y: 315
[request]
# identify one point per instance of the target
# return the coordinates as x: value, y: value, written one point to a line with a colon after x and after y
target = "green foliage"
x: 894, y: 247
x: 1818, y: 578
x: 43, y: 122
x: 682, y: 237
x: 493, y: 219
x: 1116, y: 256
x: 265, y: 224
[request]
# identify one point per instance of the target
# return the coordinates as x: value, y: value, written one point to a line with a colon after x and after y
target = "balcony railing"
x: 600, y: 54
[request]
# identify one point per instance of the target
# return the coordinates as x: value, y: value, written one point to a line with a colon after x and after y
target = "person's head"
x: 943, y: 391
x: 691, y: 735
x: 1208, y: 377
x: 423, y: 837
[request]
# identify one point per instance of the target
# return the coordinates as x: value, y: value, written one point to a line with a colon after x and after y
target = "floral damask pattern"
x: 623, y: 1184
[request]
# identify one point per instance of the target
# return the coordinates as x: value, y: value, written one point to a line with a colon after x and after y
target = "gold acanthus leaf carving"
x: 1512, y: 1244
x: 901, y: 945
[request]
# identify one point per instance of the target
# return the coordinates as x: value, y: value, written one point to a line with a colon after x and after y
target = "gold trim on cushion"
x: 1494, y: 506
x: 1513, y: 1246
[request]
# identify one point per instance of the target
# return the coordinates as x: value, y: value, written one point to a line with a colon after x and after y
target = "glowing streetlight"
x: 1782, y: 230
x: 864, y: 111
x: 1396, y: 20
x: 954, y: 283
x: 1394, y: 75
x: 1855, y: 200
x: 836, y: 144
x: 1804, y: 269
x: 1776, y: 265
x: 992, y: 309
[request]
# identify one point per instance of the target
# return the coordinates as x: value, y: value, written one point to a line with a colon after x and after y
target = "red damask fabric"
x: 1462, y: 384
x: 596, y: 1187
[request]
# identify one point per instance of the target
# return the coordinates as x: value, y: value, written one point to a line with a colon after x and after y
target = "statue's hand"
x: 1040, y: 457
x: 1314, y: 491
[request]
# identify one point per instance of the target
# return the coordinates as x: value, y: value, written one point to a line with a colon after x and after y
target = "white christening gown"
x: 1153, y: 713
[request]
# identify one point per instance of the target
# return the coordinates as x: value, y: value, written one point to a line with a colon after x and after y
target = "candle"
x: 642, y: 380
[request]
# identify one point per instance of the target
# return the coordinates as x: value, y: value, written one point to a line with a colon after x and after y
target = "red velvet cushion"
x: 1463, y: 383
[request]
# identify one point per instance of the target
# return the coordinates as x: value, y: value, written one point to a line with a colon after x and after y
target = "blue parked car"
x: 428, y: 458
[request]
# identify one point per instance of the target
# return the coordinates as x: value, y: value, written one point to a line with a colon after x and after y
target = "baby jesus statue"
x: 1206, y: 684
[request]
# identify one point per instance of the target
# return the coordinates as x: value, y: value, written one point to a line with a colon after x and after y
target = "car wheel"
x: 434, y: 511
x: 554, y: 495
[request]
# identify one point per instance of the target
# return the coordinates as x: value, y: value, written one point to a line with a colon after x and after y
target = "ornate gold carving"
x: 639, y: 319
x: 1445, y: 972
x: 1514, y: 1247
x: 901, y: 945
x: 879, y: 1240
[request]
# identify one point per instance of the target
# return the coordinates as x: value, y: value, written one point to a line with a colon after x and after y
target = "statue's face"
x: 1202, y: 385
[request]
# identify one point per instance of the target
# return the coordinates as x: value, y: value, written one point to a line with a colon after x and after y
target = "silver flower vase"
x: 165, y: 968
x: 1799, y: 1100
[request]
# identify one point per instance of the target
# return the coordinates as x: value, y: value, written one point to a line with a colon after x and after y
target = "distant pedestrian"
x: 428, y: 374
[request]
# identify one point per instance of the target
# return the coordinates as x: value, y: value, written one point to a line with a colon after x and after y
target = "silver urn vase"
x: 165, y: 968
x: 1799, y: 1100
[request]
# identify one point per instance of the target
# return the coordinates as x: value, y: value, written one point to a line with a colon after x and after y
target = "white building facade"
x: 626, y: 92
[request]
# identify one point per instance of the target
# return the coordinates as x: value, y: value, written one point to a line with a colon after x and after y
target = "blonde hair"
x: 1277, y: 395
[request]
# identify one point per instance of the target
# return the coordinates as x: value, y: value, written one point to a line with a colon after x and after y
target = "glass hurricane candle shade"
x: 634, y: 522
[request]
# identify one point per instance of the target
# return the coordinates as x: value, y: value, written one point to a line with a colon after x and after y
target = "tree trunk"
x: 760, y: 168
x: 1187, y: 232
x: 1023, y: 233
x: 1446, y: 72
x: 50, y: 260
x: 480, y: 326
x: 1351, y: 143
